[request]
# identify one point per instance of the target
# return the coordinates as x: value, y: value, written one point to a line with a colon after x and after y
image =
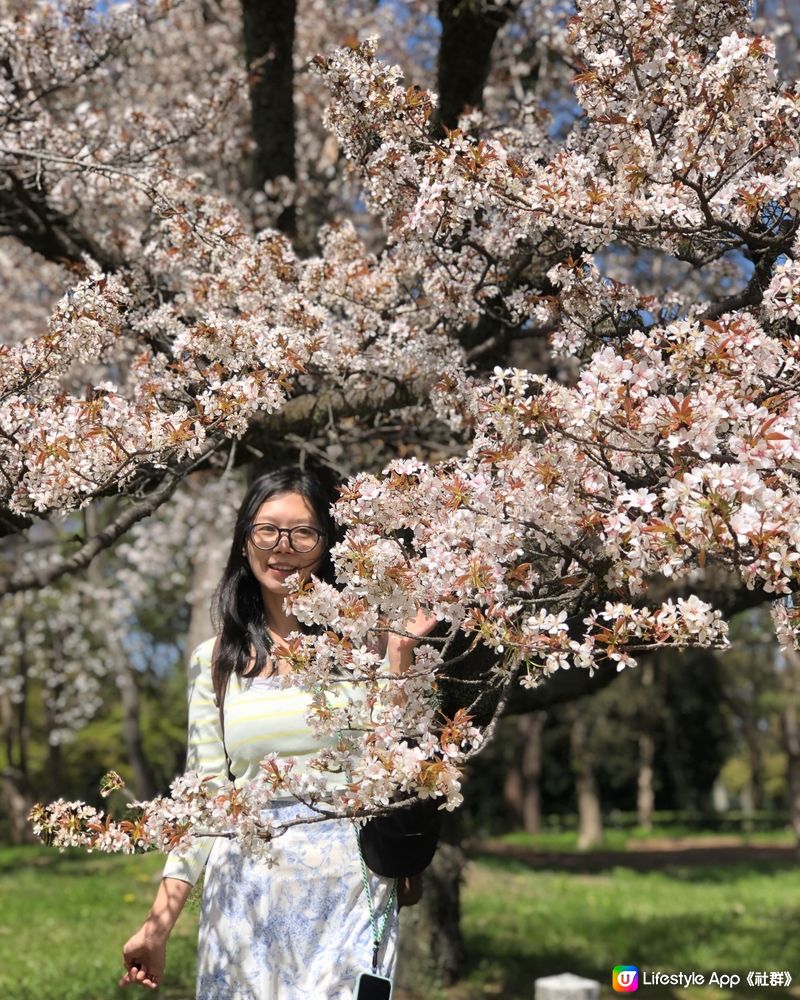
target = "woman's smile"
x: 282, y: 569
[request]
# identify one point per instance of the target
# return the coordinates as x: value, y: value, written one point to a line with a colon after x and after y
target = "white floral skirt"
x: 297, y: 931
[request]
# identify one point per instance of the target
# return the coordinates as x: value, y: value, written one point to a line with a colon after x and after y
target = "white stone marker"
x: 566, y: 987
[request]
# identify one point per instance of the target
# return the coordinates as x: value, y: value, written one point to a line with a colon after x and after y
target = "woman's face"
x: 271, y: 567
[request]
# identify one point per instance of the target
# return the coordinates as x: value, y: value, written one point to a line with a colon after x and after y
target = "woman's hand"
x: 145, y: 953
x: 400, y: 648
x: 144, y: 956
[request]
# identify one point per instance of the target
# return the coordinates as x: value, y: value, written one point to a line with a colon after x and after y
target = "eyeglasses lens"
x: 301, y: 538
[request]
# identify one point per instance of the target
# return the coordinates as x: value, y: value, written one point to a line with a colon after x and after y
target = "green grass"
x: 619, y: 840
x: 520, y: 924
x: 64, y: 918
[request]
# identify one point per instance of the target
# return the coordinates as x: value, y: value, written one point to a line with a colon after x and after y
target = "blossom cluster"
x: 187, y: 327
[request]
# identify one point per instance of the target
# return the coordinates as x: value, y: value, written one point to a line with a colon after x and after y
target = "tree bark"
x: 532, y: 773
x: 126, y: 679
x: 50, y: 786
x: 144, y: 783
x: 590, y: 819
x: 207, y: 568
x: 645, y: 796
x: 465, y: 50
x: 521, y: 786
x: 431, y: 948
x: 14, y: 783
x: 512, y: 789
x: 17, y: 802
x: 26, y: 212
x: 269, y: 45
x: 673, y: 764
x: 755, y: 753
x: 791, y: 737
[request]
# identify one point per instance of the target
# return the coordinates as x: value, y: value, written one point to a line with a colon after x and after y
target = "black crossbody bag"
x: 401, y: 843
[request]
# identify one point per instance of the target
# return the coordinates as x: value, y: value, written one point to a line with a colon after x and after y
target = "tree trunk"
x: 791, y: 737
x: 431, y: 948
x: 269, y: 46
x: 127, y: 681
x: 53, y: 778
x: 465, y: 50
x: 590, y: 818
x: 678, y: 778
x: 207, y: 569
x: 521, y: 784
x: 645, y: 796
x: 512, y: 789
x: 753, y: 738
x: 144, y: 783
x: 17, y: 803
x: 532, y: 772
x: 14, y: 784
x: 50, y: 785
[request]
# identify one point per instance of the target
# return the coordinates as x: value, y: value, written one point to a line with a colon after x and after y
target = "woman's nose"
x: 283, y: 544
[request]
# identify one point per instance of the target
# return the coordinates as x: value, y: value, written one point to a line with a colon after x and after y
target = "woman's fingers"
x: 139, y: 975
x: 144, y: 961
x: 422, y: 624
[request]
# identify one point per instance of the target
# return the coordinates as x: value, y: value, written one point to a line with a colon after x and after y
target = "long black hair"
x: 237, y: 612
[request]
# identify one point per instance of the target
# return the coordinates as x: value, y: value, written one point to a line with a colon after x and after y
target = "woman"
x: 301, y: 929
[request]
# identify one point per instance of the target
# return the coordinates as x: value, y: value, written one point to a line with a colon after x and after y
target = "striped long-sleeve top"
x: 260, y: 718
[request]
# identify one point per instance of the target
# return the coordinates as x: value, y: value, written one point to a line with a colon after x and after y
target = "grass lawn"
x: 525, y: 920
x: 63, y: 919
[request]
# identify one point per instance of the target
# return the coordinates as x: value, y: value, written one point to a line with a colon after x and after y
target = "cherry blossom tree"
x: 595, y: 296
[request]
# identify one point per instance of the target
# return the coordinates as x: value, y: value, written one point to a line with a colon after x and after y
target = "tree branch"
x: 749, y: 296
x: 25, y: 214
x: 30, y: 579
x: 311, y: 413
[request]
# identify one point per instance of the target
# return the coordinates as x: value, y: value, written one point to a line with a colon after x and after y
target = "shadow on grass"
x: 697, y: 864
x: 70, y: 862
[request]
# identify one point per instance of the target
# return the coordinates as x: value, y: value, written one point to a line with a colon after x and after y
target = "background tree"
x: 522, y: 786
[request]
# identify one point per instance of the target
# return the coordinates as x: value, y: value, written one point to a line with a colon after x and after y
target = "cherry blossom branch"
x: 44, y: 575
x: 152, y: 190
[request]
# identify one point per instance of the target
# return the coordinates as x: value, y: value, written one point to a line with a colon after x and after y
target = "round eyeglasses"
x: 302, y: 538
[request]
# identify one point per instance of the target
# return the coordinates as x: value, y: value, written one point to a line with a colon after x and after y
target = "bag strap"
x: 378, y: 927
x: 219, y: 701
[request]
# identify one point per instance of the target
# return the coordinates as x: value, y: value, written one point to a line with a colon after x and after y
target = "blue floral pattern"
x: 297, y: 931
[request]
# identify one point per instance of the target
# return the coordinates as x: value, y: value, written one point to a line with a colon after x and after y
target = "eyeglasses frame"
x: 281, y: 532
